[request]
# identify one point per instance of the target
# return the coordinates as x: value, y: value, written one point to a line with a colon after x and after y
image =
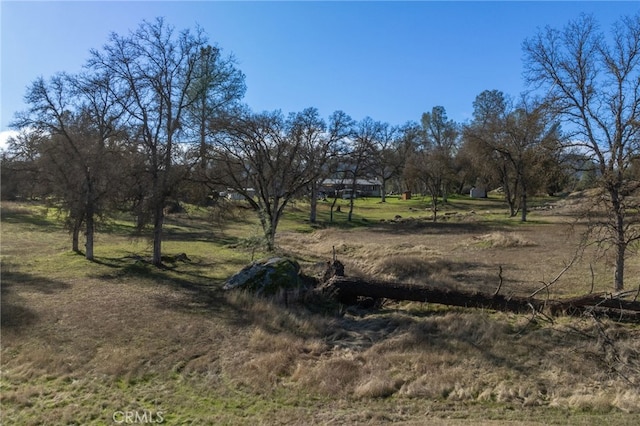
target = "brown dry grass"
x: 469, y: 255
x: 81, y: 340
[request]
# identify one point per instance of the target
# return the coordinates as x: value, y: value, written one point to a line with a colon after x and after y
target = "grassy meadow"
x: 103, y: 342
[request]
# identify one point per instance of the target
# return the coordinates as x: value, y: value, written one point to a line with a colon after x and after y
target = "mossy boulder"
x: 267, y: 277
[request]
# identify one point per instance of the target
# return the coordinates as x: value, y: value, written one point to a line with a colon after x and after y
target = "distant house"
x: 478, y: 192
x: 233, y: 195
x: 344, y: 187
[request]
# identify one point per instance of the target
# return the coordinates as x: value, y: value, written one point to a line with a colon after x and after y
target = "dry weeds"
x: 501, y: 240
x: 88, y: 339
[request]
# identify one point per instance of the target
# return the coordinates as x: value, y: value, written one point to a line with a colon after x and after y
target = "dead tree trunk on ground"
x: 347, y: 290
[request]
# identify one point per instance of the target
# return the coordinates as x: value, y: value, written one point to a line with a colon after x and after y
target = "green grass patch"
x: 84, y: 341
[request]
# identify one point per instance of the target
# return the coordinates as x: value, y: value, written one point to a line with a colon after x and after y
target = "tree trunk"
x: 89, y: 213
x: 270, y: 241
x: 619, y: 236
x: 89, y: 236
x: 352, y: 200
x: 335, y: 200
x: 621, y: 247
x: 158, y: 221
x: 461, y: 185
x: 347, y: 290
x: 579, y: 305
x: 523, y: 197
x: 314, y: 202
x: 513, y: 211
x: 350, y: 215
x: 510, y: 199
x: 524, y: 206
x: 75, y: 235
x: 271, y: 235
x: 269, y: 222
x: 434, y: 207
x: 202, y: 121
x: 383, y: 196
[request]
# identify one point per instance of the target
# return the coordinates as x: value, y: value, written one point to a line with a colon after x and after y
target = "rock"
x: 266, y: 277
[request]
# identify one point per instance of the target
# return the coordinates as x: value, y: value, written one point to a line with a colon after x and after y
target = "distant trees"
x: 157, y: 105
x: 357, y: 163
x: 117, y: 132
x: 440, y: 140
x: 74, y: 127
x: 432, y: 162
x: 513, y: 141
x: 592, y: 82
x: 270, y: 159
x: 217, y: 88
x: 19, y: 167
x: 327, y: 144
x: 386, y: 156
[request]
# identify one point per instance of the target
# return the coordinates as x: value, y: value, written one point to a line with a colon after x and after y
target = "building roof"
x: 348, y: 181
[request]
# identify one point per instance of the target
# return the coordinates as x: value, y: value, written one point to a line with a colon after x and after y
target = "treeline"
x: 157, y: 117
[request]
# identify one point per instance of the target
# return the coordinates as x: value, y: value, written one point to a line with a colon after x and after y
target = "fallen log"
x: 347, y: 290
x: 597, y: 301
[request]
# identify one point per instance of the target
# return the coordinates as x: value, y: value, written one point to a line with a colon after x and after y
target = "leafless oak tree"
x: 514, y: 141
x: 270, y: 159
x: 159, y: 77
x: 592, y: 82
x: 75, y: 125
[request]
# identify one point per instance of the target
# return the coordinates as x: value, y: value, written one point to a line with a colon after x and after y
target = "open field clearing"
x: 92, y: 342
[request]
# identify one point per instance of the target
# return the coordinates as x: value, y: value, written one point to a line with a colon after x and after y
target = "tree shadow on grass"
x: 190, y: 290
x: 137, y: 265
x: 14, y: 310
x: 22, y: 215
x: 184, y: 227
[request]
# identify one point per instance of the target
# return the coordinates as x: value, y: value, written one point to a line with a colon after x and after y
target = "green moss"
x: 268, y: 276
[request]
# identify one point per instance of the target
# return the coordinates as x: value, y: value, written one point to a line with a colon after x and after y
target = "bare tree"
x: 218, y: 87
x: 159, y: 76
x: 408, y: 145
x: 485, y: 132
x: 76, y: 126
x: 386, y: 156
x: 324, y: 146
x: 515, y: 141
x: 269, y: 160
x: 21, y: 174
x: 358, y: 160
x: 440, y: 140
x: 431, y: 164
x: 592, y: 83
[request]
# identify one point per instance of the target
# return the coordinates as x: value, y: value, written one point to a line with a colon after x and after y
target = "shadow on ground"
x: 14, y: 312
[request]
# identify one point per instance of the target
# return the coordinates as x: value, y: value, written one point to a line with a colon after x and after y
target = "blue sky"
x: 391, y: 61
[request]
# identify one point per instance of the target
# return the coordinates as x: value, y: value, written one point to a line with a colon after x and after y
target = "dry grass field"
x: 117, y: 341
